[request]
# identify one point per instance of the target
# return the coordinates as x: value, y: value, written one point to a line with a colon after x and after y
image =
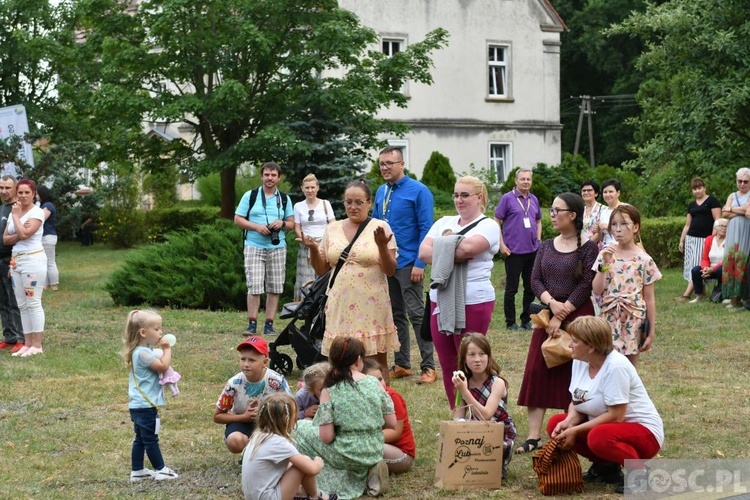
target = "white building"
x: 496, y: 92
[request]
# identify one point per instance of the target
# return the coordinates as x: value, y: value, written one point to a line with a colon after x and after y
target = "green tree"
x: 243, y: 75
x: 438, y: 173
x: 695, y: 100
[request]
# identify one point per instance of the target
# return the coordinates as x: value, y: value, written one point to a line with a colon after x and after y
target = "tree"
x: 253, y: 79
x: 695, y: 100
x: 438, y: 173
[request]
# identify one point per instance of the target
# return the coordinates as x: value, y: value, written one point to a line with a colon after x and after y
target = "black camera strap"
x: 278, y: 204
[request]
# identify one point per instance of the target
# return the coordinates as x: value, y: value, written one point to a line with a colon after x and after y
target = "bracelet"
x: 603, y: 269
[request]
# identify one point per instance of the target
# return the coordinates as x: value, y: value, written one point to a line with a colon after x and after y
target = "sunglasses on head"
x: 310, y: 217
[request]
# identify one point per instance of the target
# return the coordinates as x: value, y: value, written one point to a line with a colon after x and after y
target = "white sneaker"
x: 165, y: 473
x: 140, y: 475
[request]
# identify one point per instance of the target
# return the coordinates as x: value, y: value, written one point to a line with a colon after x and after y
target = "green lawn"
x: 66, y: 432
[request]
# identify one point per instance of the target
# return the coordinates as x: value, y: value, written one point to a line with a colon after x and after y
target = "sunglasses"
x: 742, y: 181
x: 310, y: 217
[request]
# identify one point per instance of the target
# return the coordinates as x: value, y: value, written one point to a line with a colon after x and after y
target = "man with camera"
x: 264, y: 214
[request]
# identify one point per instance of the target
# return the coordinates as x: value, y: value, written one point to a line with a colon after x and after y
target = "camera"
x: 275, y: 240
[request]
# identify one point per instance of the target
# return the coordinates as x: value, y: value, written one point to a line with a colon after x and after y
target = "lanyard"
x: 528, y: 206
x: 389, y: 190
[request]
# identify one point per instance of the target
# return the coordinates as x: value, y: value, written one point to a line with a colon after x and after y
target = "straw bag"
x: 559, y: 471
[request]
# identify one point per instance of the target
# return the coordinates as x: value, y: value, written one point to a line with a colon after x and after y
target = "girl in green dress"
x: 347, y: 429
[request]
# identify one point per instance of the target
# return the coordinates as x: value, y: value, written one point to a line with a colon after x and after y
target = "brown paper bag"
x: 556, y: 349
x: 470, y: 455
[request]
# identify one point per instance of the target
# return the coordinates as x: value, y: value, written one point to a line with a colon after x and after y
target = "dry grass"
x: 66, y: 432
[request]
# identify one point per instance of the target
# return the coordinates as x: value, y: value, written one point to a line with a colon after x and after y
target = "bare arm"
x: 223, y: 417
x: 387, y: 255
x: 503, y: 247
x: 685, y: 229
x: 729, y: 211
x: 306, y: 465
x: 489, y: 409
x: 161, y: 365
x: 390, y: 421
x: 243, y: 223
x: 394, y: 434
x: 27, y: 229
x: 425, y: 250
x: 327, y: 431
x: 470, y: 247
x: 649, y: 297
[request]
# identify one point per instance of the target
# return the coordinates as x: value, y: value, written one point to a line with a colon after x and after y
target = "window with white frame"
x: 403, y: 145
x: 392, y: 46
x: 498, y: 66
x: 500, y: 160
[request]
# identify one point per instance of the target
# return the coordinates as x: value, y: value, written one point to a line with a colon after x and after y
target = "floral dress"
x: 737, y: 248
x: 359, y: 304
x: 623, y: 303
x: 357, y: 411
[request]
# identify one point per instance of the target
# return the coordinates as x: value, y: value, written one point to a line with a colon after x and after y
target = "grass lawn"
x: 66, y: 431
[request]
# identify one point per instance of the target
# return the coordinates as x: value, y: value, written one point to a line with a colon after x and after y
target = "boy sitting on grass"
x: 238, y: 403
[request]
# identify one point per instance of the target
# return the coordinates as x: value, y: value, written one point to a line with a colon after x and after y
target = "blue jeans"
x: 146, y: 440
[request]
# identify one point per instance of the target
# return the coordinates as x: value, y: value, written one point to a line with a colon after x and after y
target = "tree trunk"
x: 228, y: 202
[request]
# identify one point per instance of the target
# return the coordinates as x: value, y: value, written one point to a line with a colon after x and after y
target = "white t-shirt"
x: 317, y: 226
x: 262, y: 468
x: 616, y: 383
x: 33, y: 242
x: 479, y: 288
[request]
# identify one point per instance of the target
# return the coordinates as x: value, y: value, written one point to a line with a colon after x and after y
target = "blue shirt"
x: 407, y: 206
x: 274, y: 210
x: 49, y: 223
x: 148, y: 381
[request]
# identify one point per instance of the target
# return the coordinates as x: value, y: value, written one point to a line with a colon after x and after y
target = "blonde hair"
x: 310, y: 178
x: 277, y: 414
x: 592, y: 331
x: 478, y: 186
x: 137, y: 319
x: 314, y: 373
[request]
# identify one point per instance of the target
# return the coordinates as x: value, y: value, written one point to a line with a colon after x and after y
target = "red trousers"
x: 612, y: 442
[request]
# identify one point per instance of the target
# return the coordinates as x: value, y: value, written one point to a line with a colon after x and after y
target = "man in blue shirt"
x: 407, y: 206
x: 264, y: 223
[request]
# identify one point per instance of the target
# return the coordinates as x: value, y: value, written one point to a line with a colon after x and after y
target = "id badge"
x: 527, y: 223
x: 157, y: 426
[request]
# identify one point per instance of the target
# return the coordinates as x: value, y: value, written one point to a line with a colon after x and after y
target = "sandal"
x: 528, y: 446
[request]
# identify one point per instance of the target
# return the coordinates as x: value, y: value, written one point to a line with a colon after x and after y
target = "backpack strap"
x: 251, y: 204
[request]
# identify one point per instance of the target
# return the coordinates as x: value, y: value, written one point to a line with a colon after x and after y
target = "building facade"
x: 495, y: 100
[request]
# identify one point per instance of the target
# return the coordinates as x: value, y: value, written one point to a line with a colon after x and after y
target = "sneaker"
x: 165, y: 473
x: 6, y: 345
x: 21, y: 351
x: 429, y: 376
x: 513, y: 327
x: 399, y: 372
x: 378, y: 481
x: 698, y: 298
x: 140, y: 475
x: 17, y: 347
x: 31, y: 351
x: 604, y: 472
x: 268, y: 328
x: 252, y: 327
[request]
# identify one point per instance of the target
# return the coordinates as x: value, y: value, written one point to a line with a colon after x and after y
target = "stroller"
x: 306, y: 339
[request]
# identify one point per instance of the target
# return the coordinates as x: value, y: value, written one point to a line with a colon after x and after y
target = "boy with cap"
x: 238, y: 403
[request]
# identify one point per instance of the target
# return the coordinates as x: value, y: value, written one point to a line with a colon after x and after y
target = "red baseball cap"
x: 255, y: 342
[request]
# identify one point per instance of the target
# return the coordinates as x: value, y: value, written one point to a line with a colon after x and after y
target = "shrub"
x: 661, y: 237
x: 438, y: 173
x: 200, y: 268
x: 161, y: 221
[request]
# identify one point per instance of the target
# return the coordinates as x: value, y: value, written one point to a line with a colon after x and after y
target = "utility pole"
x: 585, y: 110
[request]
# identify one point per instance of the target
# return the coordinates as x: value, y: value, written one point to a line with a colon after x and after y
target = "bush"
x: 438, y: 173
x: 161, y: 221
x: 661, y: 237
x: 199, y: 268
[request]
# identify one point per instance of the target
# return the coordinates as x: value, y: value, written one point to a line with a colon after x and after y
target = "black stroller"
x: 306, y: 340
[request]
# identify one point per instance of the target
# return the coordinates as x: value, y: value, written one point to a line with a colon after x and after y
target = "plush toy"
x: 170, y: 377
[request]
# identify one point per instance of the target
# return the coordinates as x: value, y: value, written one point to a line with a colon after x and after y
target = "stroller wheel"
x: 281, y: 363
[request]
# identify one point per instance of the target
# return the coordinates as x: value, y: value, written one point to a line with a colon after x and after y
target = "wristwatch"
x: 603, y: 269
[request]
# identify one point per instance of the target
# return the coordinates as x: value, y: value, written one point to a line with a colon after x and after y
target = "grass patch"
x: 65, y: 424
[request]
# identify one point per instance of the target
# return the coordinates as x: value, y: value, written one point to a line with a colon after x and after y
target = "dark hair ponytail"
x: 343, y: 353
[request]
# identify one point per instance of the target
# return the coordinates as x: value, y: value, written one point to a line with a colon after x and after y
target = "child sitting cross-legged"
x: 483, y: 390
x: 238, y: 403
x: 399, y: 448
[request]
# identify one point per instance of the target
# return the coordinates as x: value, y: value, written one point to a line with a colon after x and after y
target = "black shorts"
x: 242, y: 427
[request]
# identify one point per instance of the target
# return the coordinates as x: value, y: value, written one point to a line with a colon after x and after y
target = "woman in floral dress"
x: 347, y: 429
x: 625, y: 277
x: 737, y: 244
x: 358, y: 301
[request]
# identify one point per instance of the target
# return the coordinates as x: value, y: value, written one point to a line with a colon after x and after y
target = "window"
x: 404, y: 145
x: 497, y: 61
x: 392, y: 46
x: 500, y: 160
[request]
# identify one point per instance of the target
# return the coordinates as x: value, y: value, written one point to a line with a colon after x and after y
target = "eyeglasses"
x: 310, y: 217
x: 463, y: 195
x: 357, y: 203
x: 389, y: 164
x: 743, y: 181
x: 554, y: 211
x: 623, y: 225
x: 721, y: 225
x: 587, y: 190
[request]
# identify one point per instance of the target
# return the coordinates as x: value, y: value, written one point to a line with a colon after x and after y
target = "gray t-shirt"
x: 262, y: 470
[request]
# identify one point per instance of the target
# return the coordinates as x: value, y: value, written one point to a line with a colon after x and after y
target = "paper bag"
x: 469, y: 455
x: 556, y: 349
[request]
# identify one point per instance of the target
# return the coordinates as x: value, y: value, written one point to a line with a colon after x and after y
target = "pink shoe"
x: 32, y: 351
x: 21, y: 351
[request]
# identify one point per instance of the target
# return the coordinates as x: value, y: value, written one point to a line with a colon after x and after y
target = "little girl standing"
x: 143, y: 331
x: 271, y: 466
x: 347, y: 429
x: 624, y: 284
x: 483, y: 390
